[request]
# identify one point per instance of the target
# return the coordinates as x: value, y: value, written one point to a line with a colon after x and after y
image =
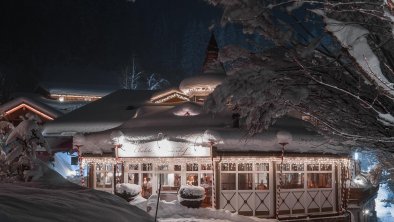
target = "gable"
x: 171, y: 96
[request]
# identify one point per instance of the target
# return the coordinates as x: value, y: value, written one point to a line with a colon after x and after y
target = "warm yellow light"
x: 23, y: 105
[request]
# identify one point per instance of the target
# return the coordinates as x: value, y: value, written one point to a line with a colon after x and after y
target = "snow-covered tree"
x: 333, y: 61
x: 18, y: 147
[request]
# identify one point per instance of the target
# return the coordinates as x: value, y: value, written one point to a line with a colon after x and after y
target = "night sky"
x: 90, y: 41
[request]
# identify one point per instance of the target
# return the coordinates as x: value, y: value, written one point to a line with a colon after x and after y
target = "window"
x: 177, y: 167
x: 170, y: 181
x: 261, y: 181
x: 245, y: 181
x: 133, y: 178
x: 191, y: 167
x: 228, y: 181
x: 312, y: 167
x: 262, y: 167
x: 146, y: 185
x: 104, y: 179
x: 192, y: 179
x: 163, y: 167
x: 206, y: 166
x: 104, y: 175
x: 228, y: 167
x: 245, y: 167
x: 133, y: 166
x: 292, y: 180
x: 325, y: 167
x: 147, y: 167
x: 319, y: 180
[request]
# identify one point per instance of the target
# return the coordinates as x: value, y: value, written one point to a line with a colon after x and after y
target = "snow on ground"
x: 173, y: 211
x: 383, y: 206
x: 55, y: 199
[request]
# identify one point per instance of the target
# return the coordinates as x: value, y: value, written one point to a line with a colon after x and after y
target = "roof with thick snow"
x: 77, y: 89
x: 106, y: 113
x: 188, y: 125
x: 31, y: 103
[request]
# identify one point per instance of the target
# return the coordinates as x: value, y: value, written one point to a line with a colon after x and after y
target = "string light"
x: 23, y: 105
x: 169, y: 95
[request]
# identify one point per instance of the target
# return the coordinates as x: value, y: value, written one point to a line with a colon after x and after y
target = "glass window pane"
x: 326, y: 167
x: 245, y: 167
x: 133, y: 178
x: 170, y: 181
x: 104, y: 180
x: 133, y: 166
x: 206, y: 182
x: 245, y: 181
x: 286, y: 167
x: 177, y: 167
x: 162, y: 167
x: 192, y: 179
x: 313, y: 167
x: 191, y: 167
x: 319, y: 180
x: 147, y: 167
x: 292, y: 180
x: 146, y: 185
x: 108, y: 167
x: 228, y: 167
x: 261, y: 181
x: 227, y: 181
x: 262, y: 166
x: 206, y: 166
x: 297, y: 167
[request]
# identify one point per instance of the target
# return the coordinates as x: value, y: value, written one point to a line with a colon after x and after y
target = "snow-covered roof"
x: 31, y: 102
x: 61, y: 88
x: 62, y: 107
x: 103, y: 114
x: 167, y: 125
x: 202, y: 84
x: 303, y: 138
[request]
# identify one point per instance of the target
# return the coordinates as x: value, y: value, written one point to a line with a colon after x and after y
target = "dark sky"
x: 89, y: 41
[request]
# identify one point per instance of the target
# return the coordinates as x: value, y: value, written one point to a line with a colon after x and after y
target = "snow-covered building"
x: 150, y: 138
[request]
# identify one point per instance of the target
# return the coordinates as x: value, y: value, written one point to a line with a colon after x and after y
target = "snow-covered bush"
x: 128, y: 191
x: 191, y: 196
x: 18, y: 147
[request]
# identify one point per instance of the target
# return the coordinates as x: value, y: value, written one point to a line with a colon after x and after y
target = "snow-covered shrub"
x: 191, y: 196
x: 18, y: 146
x: 128, y: 191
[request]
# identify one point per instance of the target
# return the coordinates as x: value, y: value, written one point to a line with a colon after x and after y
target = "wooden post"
x: 158, y: 198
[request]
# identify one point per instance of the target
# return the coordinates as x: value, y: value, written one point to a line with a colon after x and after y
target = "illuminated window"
x: 206, y: 166
x: 228, y: 167
x: 325, y: 167
x: 147, y: 167
x: 192, y: 179
x: 313, y: 167
x: 245, y: 167
x: 262, y: 167
x: 319, y: 180
x: 146, y: 185
x: 292, y: 180
x: 245, y: 181
x: 170, y: 181
x: 133, y: 166
x: 191, y: 167
x: 177, y: 167
x: 261, y: 181
x: 133, y: 178
x: 228, y: 181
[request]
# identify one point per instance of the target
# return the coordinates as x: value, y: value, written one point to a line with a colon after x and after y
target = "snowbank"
x: 53, y: 198
x: 174, y: 211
